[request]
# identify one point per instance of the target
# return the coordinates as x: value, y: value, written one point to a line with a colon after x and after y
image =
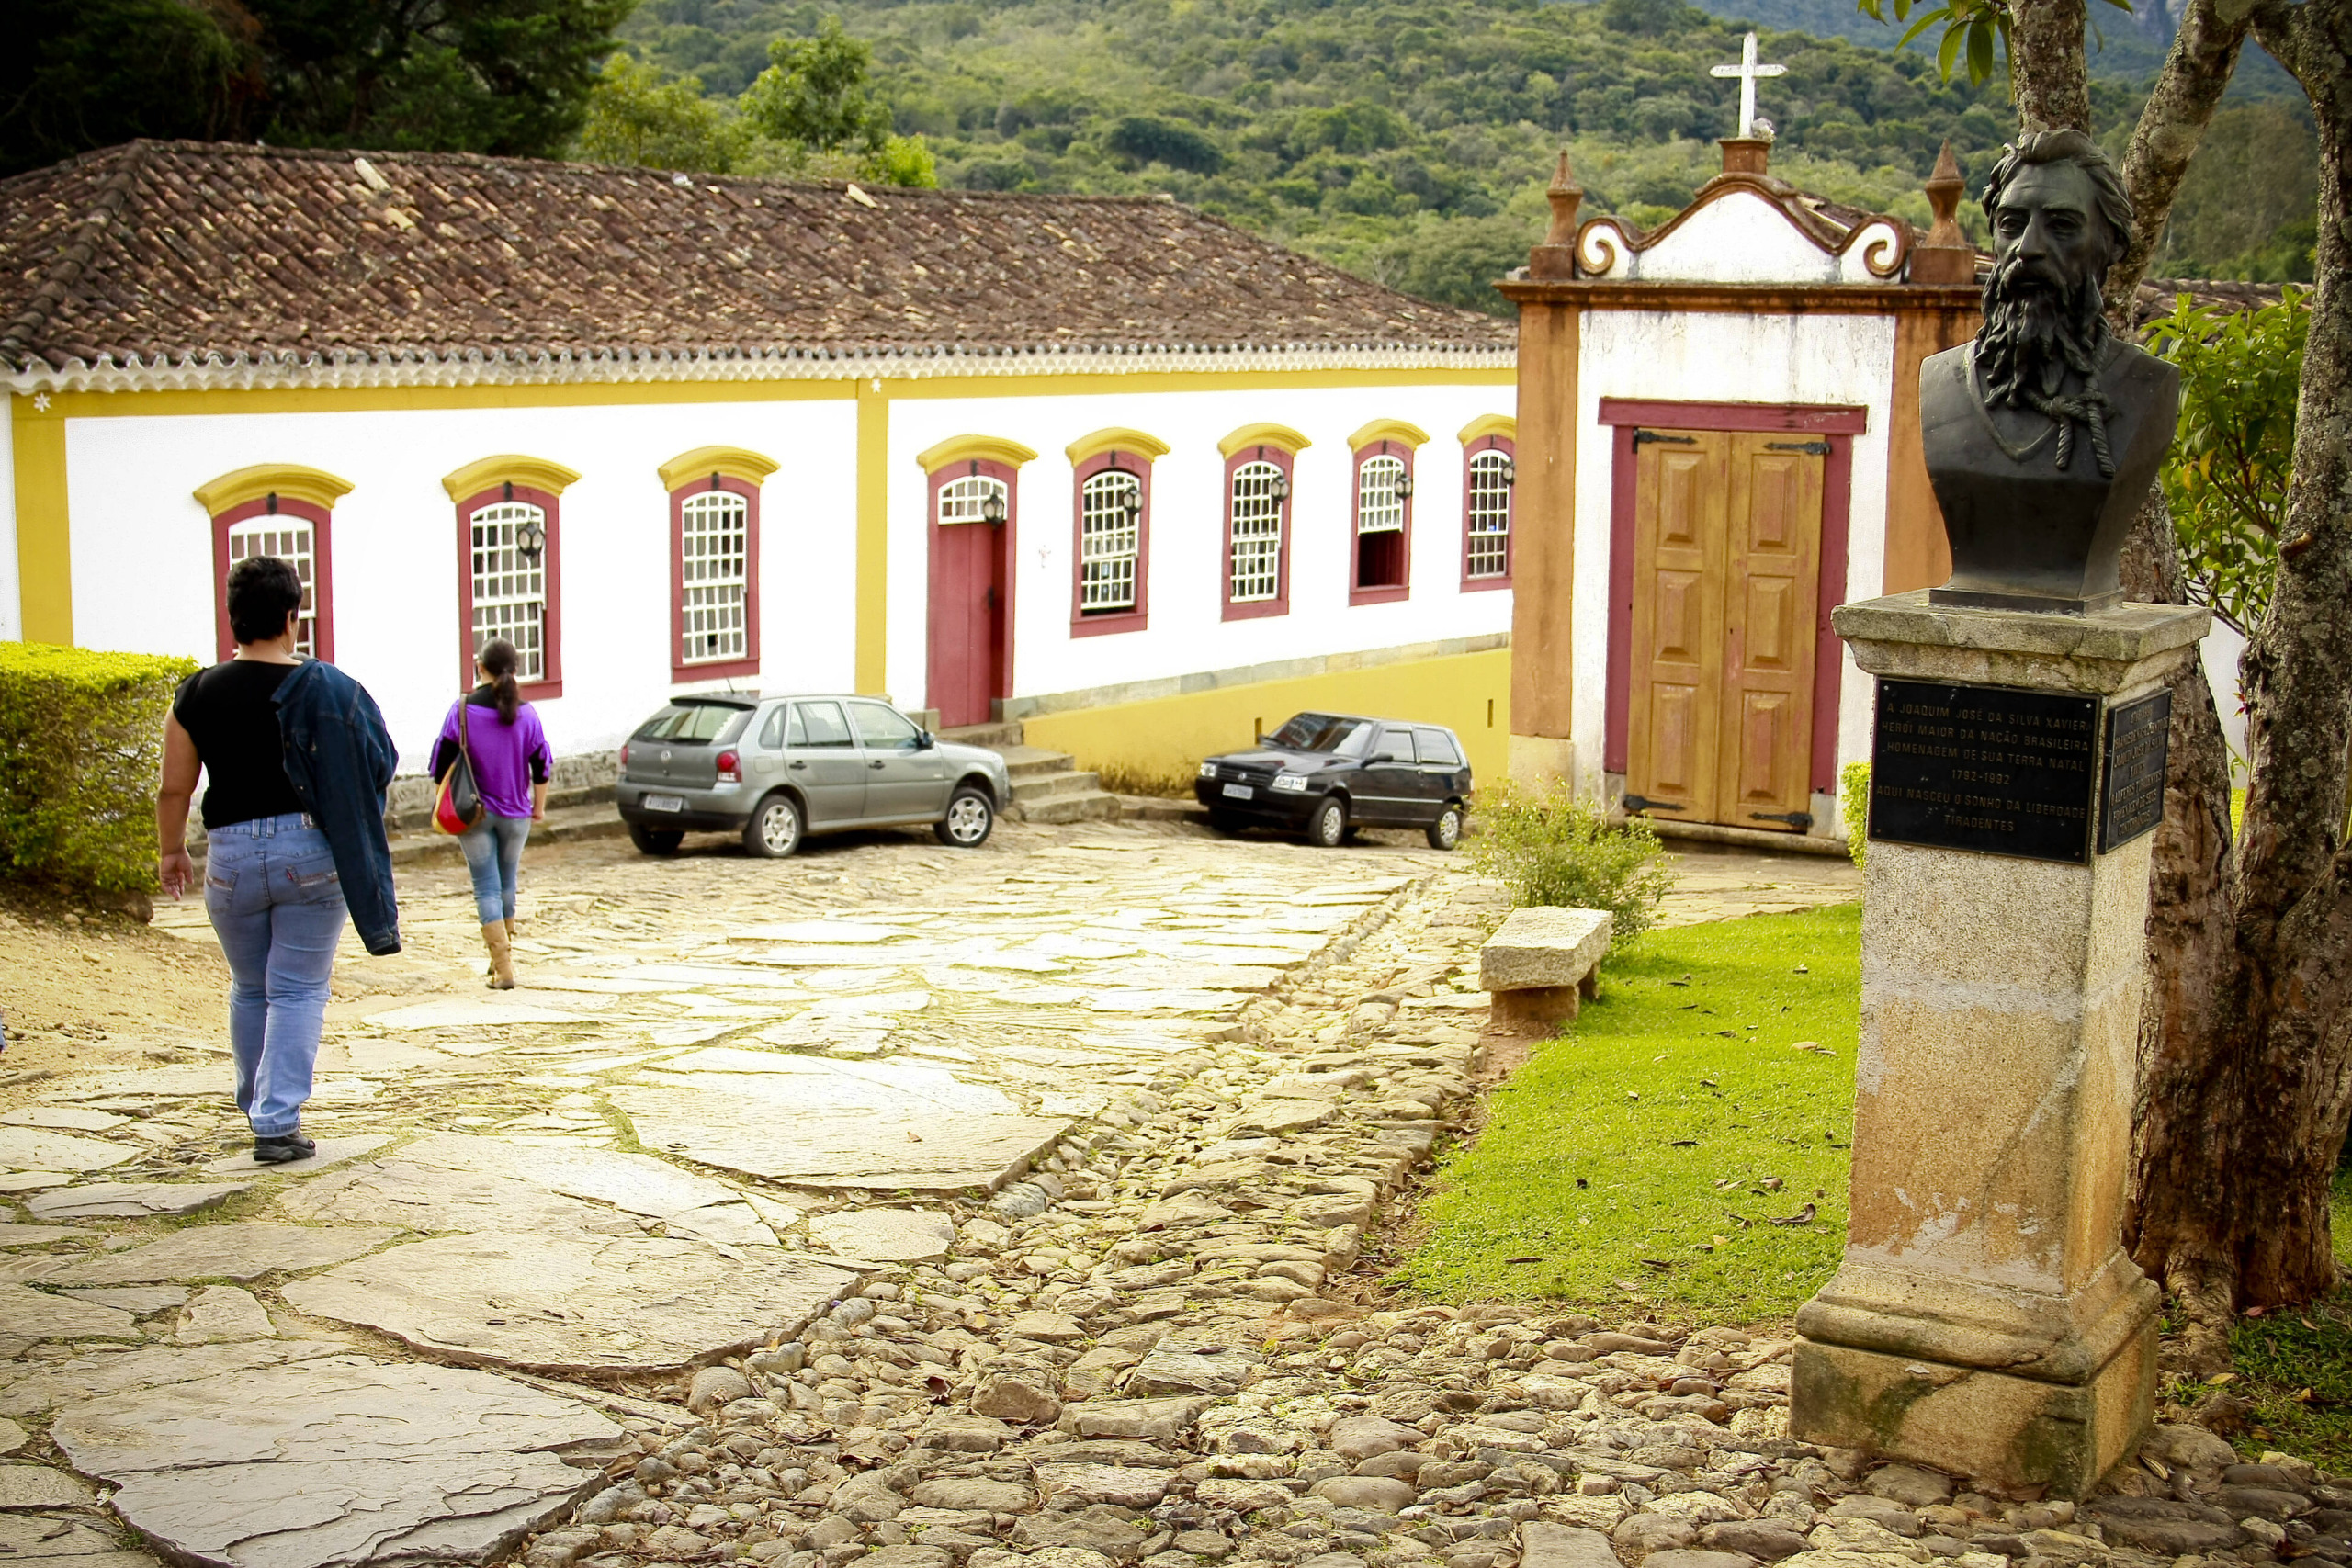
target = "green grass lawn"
x: 1637, y: 1158
x: 2296, y: 1366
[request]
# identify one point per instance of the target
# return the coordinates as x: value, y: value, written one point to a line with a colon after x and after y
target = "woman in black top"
x: 270, y: 880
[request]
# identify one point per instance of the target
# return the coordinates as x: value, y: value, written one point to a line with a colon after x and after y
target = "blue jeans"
x: 277, y: 906
x: 493, y: 849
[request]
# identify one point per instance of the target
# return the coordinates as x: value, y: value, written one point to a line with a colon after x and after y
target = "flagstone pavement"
x: 891, y: 1201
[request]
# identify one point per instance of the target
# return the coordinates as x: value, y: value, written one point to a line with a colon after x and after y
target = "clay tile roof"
x: 181, y: 254
x: 2156, y: 296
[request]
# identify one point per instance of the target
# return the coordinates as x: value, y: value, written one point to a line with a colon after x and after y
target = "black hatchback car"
x: 1323, y: 774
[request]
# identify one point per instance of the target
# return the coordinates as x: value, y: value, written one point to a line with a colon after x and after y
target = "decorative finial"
x: 1944, y: 190
x: 1565, y: 195
x: 1944, y: 256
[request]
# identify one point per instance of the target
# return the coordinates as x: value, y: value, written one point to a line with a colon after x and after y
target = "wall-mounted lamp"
x: 993, y: 509
x: 531, y: 540
x: 1510, y: 472
x: 1403, y: 486
x: 1280, y: 489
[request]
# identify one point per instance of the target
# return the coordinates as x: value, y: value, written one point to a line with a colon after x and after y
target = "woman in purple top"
x: 511, y: 762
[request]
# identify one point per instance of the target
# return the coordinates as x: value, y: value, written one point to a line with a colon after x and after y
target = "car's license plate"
x: 1239, y: 792
x: 666, y: 803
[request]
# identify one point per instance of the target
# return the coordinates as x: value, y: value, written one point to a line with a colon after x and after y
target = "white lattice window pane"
x: 1380, y: 509
x: 714, y: 547
x: 965, y: 500
x: 1110, y: 536
x: 287, y: 538
x: 510, y: 591
x: 1489, y: 515
x: 1255, y: 569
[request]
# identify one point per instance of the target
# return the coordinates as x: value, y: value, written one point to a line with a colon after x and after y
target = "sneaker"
x: 282, y: 1148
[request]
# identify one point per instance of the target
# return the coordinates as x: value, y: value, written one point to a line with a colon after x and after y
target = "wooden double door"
x: 1726, y: 581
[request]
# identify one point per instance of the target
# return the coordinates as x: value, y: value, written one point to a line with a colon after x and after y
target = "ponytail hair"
x: 499, y: 662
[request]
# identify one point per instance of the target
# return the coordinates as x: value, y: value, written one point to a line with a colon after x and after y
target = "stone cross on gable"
x: 1748, y: 71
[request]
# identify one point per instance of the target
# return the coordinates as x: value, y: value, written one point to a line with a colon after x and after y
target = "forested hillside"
x: 1406, y: 142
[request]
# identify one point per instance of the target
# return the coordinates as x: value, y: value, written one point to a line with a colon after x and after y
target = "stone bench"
x: 1541, y: 965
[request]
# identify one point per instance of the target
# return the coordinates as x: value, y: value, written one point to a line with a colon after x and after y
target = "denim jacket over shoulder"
x: 339, y: 758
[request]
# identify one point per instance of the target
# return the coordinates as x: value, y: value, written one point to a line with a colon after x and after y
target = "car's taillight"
x: 623, y: 754
x: 730, y: 768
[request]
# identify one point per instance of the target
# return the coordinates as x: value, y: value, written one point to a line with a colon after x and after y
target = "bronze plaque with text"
x: 1983, y: 768
x: 2132, y: 769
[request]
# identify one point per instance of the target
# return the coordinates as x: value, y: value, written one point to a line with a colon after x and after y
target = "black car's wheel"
x: 1327, y: 829
x: 971, y: 816
x: 1446, y: 831
x: 774, y: 831
x: 654, y: 841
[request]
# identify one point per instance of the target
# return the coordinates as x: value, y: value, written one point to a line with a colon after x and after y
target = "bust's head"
x: 2057, y: 208
x: 2060, y: 219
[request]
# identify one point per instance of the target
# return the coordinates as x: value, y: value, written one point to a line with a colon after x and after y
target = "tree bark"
x: 2186, y: 1088
x: 2047, y: 78
x: 2246, y: 1056
x: 2180, y: 108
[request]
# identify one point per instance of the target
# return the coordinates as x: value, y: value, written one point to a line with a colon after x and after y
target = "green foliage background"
x: 2227, y: 474
x: 502, y: 76
x: 1406, y: 143
x: 80, y: 747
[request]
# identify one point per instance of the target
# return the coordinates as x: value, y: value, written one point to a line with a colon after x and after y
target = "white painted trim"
x: 215, y: 373
x: 12, y: 605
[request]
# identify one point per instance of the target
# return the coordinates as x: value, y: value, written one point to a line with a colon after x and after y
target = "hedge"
x: 1857, y: 806
x: 81, y: 751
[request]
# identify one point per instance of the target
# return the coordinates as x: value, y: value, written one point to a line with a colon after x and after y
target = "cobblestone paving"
x: 905, y: 1207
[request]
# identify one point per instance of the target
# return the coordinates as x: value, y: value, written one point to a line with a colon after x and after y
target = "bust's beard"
x: 2032, y: 337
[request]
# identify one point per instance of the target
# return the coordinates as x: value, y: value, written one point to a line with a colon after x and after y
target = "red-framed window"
x: 1110, y: 544
x: 1380, y: 561
x: 510, y: 582
x: 1257, y: 531
x: 1490, y: 474
x: 299, y: 532
x: 714, y: 579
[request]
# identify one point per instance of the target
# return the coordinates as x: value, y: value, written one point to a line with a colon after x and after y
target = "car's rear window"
x: 1320, y: 732
x: 694, y: 724
x: 1437, y: 746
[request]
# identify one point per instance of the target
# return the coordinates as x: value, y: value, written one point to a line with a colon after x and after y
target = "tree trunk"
x: 2295, y: 887
x: 2180, y: 105
x: 2186, y: 1089
x: 2046, y: 74
x: 2247, y: 1072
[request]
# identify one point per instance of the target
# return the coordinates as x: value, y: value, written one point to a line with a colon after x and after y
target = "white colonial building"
x: 1108, y: 466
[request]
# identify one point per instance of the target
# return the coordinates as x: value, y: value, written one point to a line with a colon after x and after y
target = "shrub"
x: 1550, y: 846
x: 1856, y: 782
x: 81, y: 749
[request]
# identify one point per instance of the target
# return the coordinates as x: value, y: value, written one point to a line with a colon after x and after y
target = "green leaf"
x: 1954, y: 36
x: 1979, y: 49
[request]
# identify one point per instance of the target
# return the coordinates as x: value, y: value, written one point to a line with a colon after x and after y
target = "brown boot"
x: 502, y: 956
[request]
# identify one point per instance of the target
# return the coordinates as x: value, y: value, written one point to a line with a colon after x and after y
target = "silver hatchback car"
x: 776, y: 769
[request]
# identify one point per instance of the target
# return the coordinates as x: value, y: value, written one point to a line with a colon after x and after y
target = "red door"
x: 971, y: 600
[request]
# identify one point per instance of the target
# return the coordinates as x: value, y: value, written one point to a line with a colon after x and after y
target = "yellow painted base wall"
x: 1469, y: 693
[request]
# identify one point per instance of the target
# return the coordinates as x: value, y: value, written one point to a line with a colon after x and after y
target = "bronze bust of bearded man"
x: 2042, y: 436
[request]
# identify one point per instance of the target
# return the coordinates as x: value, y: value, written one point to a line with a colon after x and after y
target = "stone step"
x: 1030, y: 787
x: 567, y: 825
x: 1161, y: 808
x: 1089, y: 805
x: 995, y: 737
x: 1029, y: 762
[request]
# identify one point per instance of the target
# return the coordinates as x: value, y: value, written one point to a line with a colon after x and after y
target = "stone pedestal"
x: 1985, y: 1320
